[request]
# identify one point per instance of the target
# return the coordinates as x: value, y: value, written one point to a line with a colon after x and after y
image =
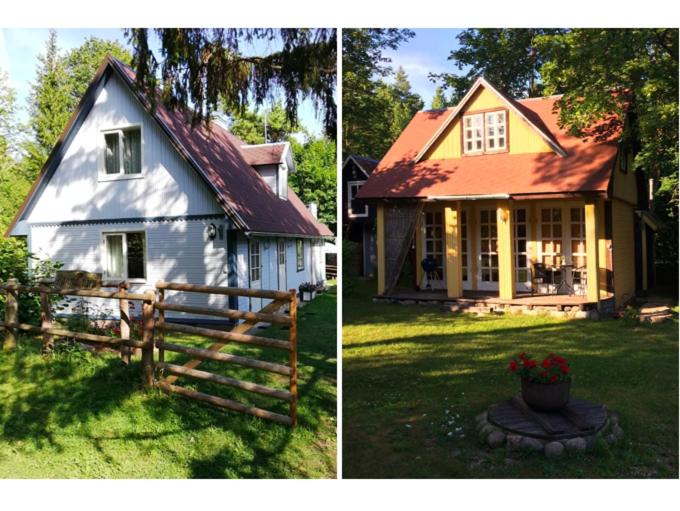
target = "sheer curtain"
x: 112, y: 153
x: 132, y: 151
x: 114, y: 256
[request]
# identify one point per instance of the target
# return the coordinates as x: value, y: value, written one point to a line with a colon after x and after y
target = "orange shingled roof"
x: 586, y: 167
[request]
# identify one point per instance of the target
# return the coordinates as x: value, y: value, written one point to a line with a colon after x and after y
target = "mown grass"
x: 414, y: 378
x: 78, y: 415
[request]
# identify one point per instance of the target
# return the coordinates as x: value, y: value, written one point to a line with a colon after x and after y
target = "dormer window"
x: 355, y: 211
x: 485, y: 132
x: 123, y: 151
x: 495, y: 131
x: 473, y: 133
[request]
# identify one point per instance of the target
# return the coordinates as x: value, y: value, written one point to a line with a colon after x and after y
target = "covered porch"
x: 530, y: 251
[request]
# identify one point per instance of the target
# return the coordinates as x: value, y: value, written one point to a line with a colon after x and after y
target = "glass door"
x: 433, y: 235
x: 522, y: 269
x: 488, y: 250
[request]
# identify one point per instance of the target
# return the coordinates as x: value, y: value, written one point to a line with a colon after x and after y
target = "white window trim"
x: 299, y: 268
x: 121, y: 176
x: 473, y: 139
x: 104, y: 258
x: 350, y: 212
x: 496, y: 149
x: 250, y: 260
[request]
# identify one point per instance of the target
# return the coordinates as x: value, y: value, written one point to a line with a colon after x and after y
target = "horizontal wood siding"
x: 169, y: 186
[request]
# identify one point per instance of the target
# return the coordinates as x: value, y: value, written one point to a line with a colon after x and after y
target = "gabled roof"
x: 578, y: 167
x: 264, y: 154
x: 215, y: 154
x: 365, y: 164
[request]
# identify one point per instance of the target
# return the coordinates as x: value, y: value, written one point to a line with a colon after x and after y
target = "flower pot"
x: 308, y: 296
x: 546, y: 397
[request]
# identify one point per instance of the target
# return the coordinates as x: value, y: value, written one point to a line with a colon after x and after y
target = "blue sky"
x: 19, y: 50
x: 426, y: 53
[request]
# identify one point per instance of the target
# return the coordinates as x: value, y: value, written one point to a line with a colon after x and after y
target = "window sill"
x: 357, y: 215
x: 103, y: 178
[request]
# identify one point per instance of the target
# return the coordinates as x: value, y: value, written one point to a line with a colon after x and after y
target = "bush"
x: 14, y: 258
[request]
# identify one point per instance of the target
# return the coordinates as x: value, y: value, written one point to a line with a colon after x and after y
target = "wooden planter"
x: 308, y: 296
x: 546, y: 397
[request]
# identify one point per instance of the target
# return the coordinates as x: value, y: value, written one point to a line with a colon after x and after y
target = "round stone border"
x: 495, y: 437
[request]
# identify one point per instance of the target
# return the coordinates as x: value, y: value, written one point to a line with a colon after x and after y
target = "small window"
x: 473, y: 133
x: 123, y: 152
x: 255, y: 261
x: 125, y: 256
x: 300, y: 255
x: 495, y: 131
x: 352, y: 190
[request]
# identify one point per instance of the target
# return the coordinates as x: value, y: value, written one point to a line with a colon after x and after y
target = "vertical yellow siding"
x: 623, y: 248
x: 380, y: 228
x: 593, y: 286
x: 601, y: 250
x: 506, y: 261
x: 624, y: 184
x: 454, y: 269
x: 522, y: 138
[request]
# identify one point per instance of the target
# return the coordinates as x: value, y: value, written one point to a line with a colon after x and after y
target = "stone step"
x: 655, y: 318
x: 480, y: 309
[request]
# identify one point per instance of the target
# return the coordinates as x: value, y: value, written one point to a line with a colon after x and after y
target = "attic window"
x: 473, y: 134
x: 123, y: 151
x: 495, y: 131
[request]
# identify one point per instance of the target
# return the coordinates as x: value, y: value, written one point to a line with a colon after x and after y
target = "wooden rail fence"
x: 170, y: 373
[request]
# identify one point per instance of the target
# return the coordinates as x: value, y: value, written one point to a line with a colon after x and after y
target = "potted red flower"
x: 545, y: 386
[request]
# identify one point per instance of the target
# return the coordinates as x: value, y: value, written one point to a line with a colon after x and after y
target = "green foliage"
x: 439, y: 100
x: 374, y: 112
x: 640, y: 66
x: 314, y: 179
x: 506, y: 57
x: 206, y: 68
x: 249, y: 126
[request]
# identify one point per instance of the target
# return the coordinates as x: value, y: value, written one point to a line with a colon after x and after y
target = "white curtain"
x: 112, y: 153
x: 114, y: 256
x: 132, y: 152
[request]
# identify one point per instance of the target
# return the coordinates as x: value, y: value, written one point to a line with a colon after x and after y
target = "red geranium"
x: 552, y: 369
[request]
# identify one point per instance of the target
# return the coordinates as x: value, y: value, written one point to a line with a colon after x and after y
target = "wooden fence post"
x: 124, y: 305
x: 292, y: 336
x: 161, y: 333
x: 11, y: 315
x: 147, y: 338
x: 46, y: 318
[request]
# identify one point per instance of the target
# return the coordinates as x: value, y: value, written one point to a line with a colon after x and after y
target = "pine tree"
x: 439, y: 99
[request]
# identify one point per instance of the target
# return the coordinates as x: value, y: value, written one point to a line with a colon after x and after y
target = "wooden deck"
x: 490, y: 299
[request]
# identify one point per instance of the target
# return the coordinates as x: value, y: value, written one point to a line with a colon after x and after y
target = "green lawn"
x: 414, y: 378
x: 76, y: 415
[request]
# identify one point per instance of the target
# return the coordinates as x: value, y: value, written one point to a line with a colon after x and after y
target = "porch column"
x: 380, y: 252
x: 592, y: 259
x: 506, y: 259
x: 454, y: 267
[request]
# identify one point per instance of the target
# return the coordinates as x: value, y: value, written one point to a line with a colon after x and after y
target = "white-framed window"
x: 123, y: 151
x: 300, y: 255
x: 473, y: 134
x: 522, y: 268
x: 255, y: 261
x: 352, y: 190
x: 488, y: 241
x: 551, y: 242
x: 577, y: 223
x: 496, y: 134
x: 125, y: 256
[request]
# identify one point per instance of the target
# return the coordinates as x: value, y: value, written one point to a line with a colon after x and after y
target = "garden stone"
x: 577, y: 444
x: 530, y: 444
x: 513, y: 441
x: 495, y: 439
x: 590, y: 442
x: 553, y: 449
x: 617, y: 432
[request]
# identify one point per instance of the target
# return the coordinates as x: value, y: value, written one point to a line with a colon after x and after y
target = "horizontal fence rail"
x: 153, y: 337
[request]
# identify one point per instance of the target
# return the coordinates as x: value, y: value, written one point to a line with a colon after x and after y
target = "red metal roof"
x: 586, y: 167
x: 264, y: 154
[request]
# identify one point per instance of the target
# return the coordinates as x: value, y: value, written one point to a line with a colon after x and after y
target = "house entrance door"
x: 281, y: 261
x: 433, y: 235
x: 487, y: 275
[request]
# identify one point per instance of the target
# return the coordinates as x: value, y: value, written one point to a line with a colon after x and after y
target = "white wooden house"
x: 137, y: 194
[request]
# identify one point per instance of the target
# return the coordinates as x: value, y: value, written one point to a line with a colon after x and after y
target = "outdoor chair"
x: 539, y: 275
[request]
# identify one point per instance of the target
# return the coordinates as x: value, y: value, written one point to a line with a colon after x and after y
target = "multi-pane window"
x: 578, y: 245
x: 464, y: 243
x: 281, y: 250
x: 434, y: 240
x: 125, y: 256
x: 521, y: 256
x: 488, y: 238
x: 495, y: 131
x: 352, y: 209
x: 551, y: 241
x: 473, y: 133
x: 123, y: 152
x: 255, y: 261
x: 300, y: 255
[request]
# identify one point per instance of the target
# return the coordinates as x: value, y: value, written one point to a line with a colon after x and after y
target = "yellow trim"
x: 472, y: 245
x: 592, y: 259
x: 506, y: 261
x: 454, y: 269
x: 380, y: 235
x: 419, y: 249
x: 601, y: 249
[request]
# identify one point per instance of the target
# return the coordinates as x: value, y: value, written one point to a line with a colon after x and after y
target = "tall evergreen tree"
x: 250, y: 125
x: 439, y: 100
x: 405, y: 103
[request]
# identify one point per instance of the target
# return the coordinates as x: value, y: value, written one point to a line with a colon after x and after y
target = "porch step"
x: 654, y: 313
x: 480, y: 309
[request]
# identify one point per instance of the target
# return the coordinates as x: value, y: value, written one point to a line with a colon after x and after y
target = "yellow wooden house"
x: 493, y: 199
